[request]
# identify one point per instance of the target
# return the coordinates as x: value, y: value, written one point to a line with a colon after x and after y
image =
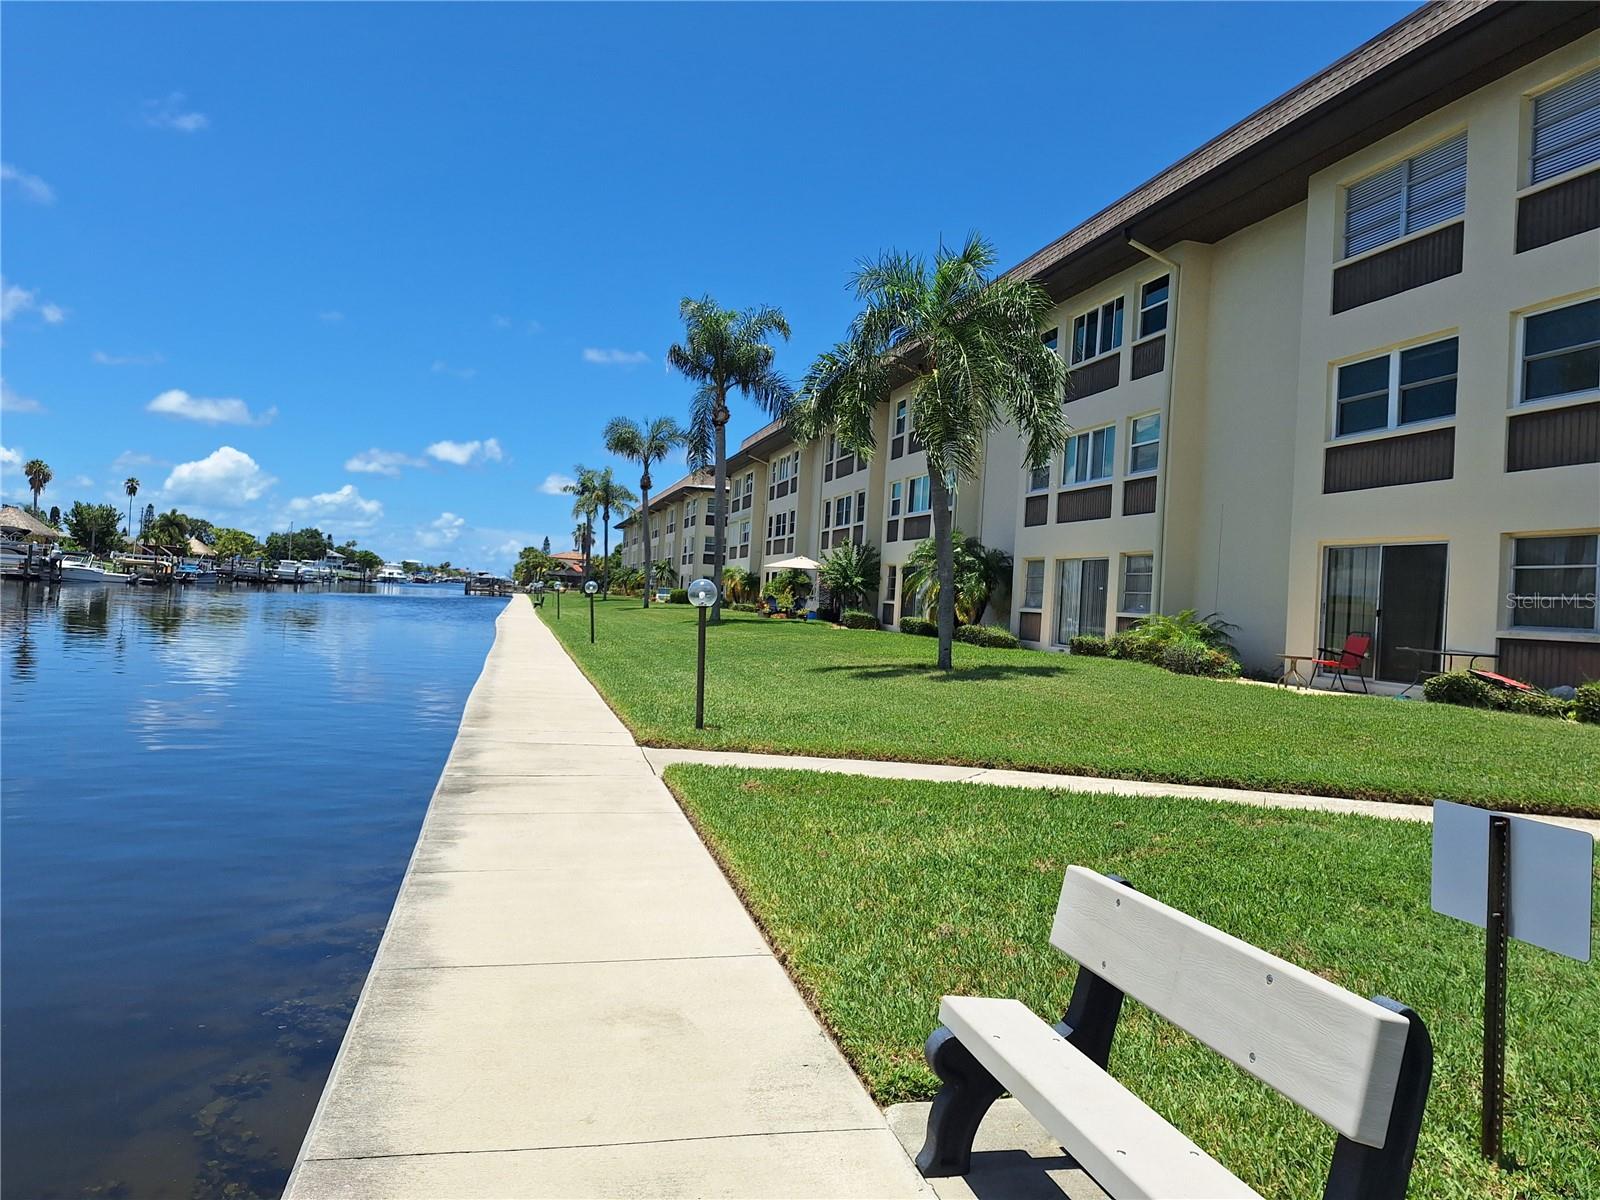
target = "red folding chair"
x: 1341, y: 664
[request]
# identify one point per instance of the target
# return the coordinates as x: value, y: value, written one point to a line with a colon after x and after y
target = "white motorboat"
x: 392, y: 573
x: 80, y: 568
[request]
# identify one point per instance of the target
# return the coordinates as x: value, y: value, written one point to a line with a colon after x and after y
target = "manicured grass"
x: 805, y: 687
x: 883, y: 895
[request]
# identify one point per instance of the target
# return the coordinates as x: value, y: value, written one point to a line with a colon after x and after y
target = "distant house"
x: 568, y: 568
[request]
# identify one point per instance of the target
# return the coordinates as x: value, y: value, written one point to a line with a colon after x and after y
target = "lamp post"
x: 702, y: 594
x: 589, y: 589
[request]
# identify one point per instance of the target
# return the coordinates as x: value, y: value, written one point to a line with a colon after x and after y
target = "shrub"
x: 919, y: 626
x: 1457, y: 687
x: 1586, y: 707
x: 1532, y: 704
x: 1134, y: 646
x: 1210, y: 630
x: 678, y: 596
x: 1466, y: 689
x: 992, y: 636
x: 1089, y: 644
x: 745, y: 607
x: 856, y: 619
x: 1190, y: 656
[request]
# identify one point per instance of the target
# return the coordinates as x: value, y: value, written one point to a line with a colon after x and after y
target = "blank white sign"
x: 1552, y: 873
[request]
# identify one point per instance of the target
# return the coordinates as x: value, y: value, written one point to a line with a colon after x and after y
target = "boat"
x: 200, y: 573
x: 391, y: 573
x: 80, y: 568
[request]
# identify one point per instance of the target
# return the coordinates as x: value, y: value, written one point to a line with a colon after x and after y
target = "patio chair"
x: 1342, y: 663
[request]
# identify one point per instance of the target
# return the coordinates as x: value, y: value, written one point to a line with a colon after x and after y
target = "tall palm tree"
x: 725, y: 351
x: 610, y: 497
x: 980, y: 572
x: 39, y: 476
x: 584, y: 508
x: 971, y: 344
x: 645, y: 444
x: 131, y: 486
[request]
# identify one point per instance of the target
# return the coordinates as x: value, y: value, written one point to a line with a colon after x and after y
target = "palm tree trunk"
x: 939, y: 495
x: 644, y: 516
x: 719, y: 482
x: 605, y: 554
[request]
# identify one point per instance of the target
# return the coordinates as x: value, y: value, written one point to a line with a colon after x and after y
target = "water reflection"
x: 209, y: 800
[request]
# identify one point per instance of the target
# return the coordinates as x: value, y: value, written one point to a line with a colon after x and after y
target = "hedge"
x: 678, y: 596
x: 919, y: 627
x: 854, y: 618
x: 992, y: 636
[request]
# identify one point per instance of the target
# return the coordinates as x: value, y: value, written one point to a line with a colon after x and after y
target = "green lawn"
x: 812, y: 689
x: 883, y: 895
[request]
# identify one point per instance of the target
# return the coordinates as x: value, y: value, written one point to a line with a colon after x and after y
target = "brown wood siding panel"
x: 1139, y: 496
x: 1099, y: 376
x: 918, y: 527
x: 1028, y: 626
x: 1549, y: 664
x: 1085, y: 504
x: 1388, y: 462
x: 1036, y: 510
x: 1407, y: 266
x: 1563, y: 211
x: 1149, y: 357
x: 1556, y: 437
x: 897, y: 447
x: 892, y: 534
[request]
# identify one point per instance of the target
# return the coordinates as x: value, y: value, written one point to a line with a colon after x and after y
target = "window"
x: 691, y: 513
x: 744, y: 539
x: 1033, y: 583
x: 1038, y: 477
x: 1553, y: 582
x: 1561, y: 351
x: 1052, y: 339
x: 896, y: 489
x: 827, y: 514
x: 1144, y: 444
x: 900, y: 417
x: 1089, y: 456
x: 1398, y: 388
x: 1080, y: 597
x: 1425, y: 190
x: 890, y: 580
x: 709, y: 550
x: 921, y: 497
x: 841, y: 511
x: 1153, y: 306
x: 1566, y: 128
x: 1137, y: 571
x: 1097, y: 332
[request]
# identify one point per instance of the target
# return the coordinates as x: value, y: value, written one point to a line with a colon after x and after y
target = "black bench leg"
x: 958, y: 1109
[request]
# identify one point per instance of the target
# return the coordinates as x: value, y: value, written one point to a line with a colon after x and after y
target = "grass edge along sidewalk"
x: 881, y: 895
x: 809, y: 688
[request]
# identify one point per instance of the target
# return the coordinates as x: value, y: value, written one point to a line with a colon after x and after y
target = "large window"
x: 1566, y: 128
x: 1137, y: 572
x: 1398, y: 388
x: 921, y: 496
x: 1153, y: 306
x: 1089, y: 456
x: 1081, y: 597
x: 1144, y: 444
x: 1553, y: 582
x: 1561, y: 352
x: 1033, y: 583
x: 1097, y: 332
x: 1420, y: 192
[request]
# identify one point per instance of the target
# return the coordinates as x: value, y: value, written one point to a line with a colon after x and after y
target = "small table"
x: 1294, y: 672
x: 1444, y: 658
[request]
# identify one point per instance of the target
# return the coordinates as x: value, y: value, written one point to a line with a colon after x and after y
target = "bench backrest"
x: 1335, y: 1054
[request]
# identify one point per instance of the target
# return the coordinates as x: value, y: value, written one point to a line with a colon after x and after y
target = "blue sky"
x: 389, y: 269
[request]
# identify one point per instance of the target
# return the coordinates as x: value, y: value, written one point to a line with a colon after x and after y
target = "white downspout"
x: 1158, y: 582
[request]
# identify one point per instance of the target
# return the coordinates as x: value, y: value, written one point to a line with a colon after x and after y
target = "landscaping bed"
x: 809, y: 688
x: 883, y: 895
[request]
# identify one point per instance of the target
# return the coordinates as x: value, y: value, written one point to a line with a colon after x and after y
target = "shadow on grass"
x: 871, y: 671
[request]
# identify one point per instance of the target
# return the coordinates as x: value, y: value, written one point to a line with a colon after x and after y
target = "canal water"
x: 209, y: 799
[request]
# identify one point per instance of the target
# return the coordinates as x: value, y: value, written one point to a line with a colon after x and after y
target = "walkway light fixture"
x: 589, y: 589
x: 702, y: 594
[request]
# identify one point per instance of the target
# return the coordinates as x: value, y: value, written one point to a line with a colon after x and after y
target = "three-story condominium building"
x: 1336, y: 372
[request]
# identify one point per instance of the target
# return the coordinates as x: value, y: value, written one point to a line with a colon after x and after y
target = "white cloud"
x: 463, y: 454
x: 31, y: 186
x: 347, y: 508
x: 14, y: 402
x: 331, y: 317
x: 381, y: 462
x: 440, y: 367
x: 176, y: 402
x: 135, y: 458
x: 226, y: 478
x: 615, y: 358
x: 556, y: 483
x: 9, y: 457
x: 16, y: 300
x: 81, y: 481
x: 443, y: 530
x: 103, y: 359
x: 170, y: 113
x: 500, y: 322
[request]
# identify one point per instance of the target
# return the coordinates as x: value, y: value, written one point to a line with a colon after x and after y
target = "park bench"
x: 1360, y: 1066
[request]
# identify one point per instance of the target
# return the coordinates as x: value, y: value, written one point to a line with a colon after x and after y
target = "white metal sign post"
x: 1513, y: 877
x: 702, y: 594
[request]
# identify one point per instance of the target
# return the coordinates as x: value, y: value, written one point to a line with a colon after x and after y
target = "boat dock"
x: 569, y: 998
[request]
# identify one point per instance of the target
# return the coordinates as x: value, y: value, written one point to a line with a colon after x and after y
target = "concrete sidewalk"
x: 569, y: 999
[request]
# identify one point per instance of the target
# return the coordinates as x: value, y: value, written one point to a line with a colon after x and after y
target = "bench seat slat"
x: 1332, y: 1052
x: 1126, y: 1146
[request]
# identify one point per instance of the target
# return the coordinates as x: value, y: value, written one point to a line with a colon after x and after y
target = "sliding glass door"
x: 1081, y: 597
x: 1393, y: 593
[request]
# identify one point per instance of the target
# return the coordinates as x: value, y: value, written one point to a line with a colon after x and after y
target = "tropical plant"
x: 610, y: 497
x: 725, y: 351
x: 95, y: 527
x: 973, y: 345
x: 980, y: 572
x: 533, y: 564
x: 789, y: 587
x: 585, y: 505
x: 737, y: 584
x: 665, y: 573
x: 1161, y: 630
x: 39, y: 475
x: 231, y: 543
x: 849, y: 573
x: 645, y: 443
x: 131, y: 486
x: 171, y: 530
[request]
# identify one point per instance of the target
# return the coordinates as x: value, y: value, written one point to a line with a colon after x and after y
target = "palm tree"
x: 736, y: 583
x: 170, y: 529
x: 972, y: 343
x: 980, y: 571
x: 725, y: 351
x: 584, y: 508
x: 131, y: 486
x: 610, y: 497
x: 39, y: 476
x: 849, y: 572
x: 645, y: 444
x: 665, y: 573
